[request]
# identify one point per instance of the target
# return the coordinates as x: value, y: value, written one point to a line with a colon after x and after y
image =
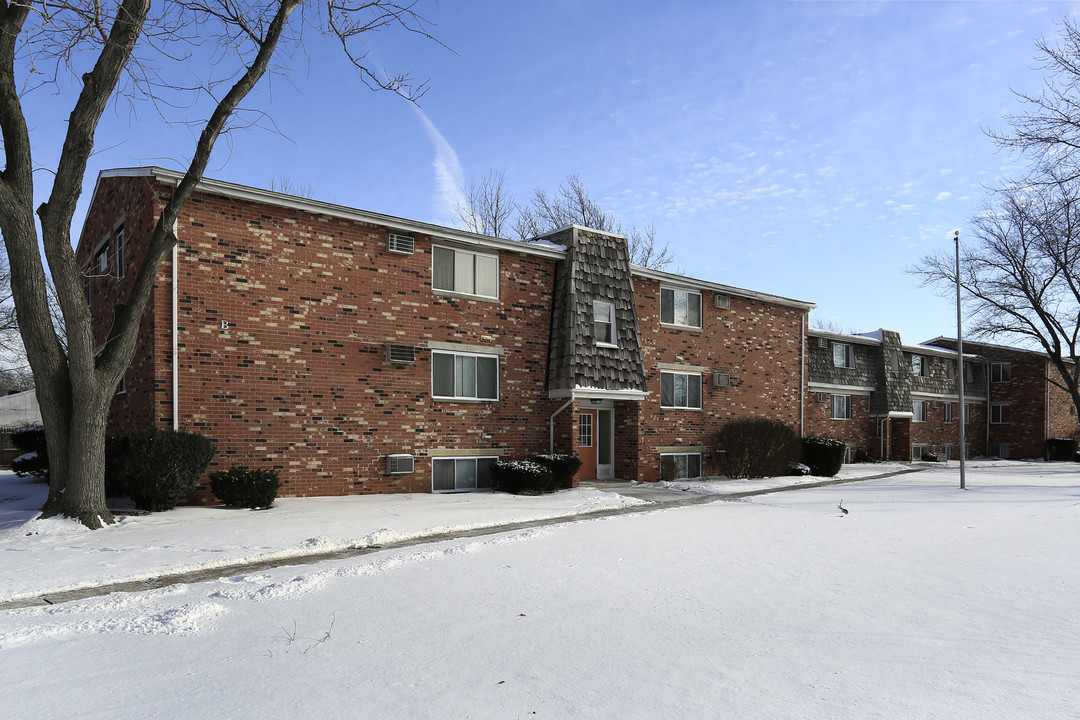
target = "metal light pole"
x: 960, y: 367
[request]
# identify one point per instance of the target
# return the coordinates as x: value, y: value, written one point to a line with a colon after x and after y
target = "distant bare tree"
x: 285, y: 185
x: 486, y: 208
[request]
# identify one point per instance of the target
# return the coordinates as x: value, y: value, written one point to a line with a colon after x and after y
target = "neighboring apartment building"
x: 1024, y: 406
x: 357, y: 353
x: 899, y: 402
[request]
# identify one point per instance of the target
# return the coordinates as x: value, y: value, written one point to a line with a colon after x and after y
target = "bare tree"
x: 1018, y: 265
x: 284, y: 184
x: 645, y: 252
x: 1048, y: 130
x: 486, y: 207
x: 1019, y: 273
x: 123, y: 52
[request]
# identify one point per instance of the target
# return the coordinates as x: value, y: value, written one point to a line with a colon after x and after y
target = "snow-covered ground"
x: 924, y: 602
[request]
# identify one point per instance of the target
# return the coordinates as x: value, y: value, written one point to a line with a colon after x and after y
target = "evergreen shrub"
x: 563, y: 467
x: 35, y: 455
x: 823, y: 455
x: 240, y: 487
x: 1056, y: 449
x: 155, y: 468
x: 756, y: 447
x: 522, y: 477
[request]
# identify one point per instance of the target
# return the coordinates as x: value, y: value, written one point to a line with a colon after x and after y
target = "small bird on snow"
x: 842, y: 508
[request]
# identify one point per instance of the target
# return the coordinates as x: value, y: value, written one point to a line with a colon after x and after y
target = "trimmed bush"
x: 240, y: 487
x: 563, y: 466
x: 929, y: 457
x: 756, y: 447
x: 155, y: 468
x: 522, y: 477
x: 1056, y: 449
x: 35, y: 454
x: 823, y: 455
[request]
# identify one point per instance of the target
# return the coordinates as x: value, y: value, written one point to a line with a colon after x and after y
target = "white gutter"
x: 175, y: 344
x: 551, y: 426
x: 803, y: 387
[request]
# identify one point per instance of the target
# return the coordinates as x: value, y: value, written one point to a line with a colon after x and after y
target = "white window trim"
x: 999, y: 421
x: 849, y: 355
x: 674, y: 321
x: 101, y: 251
x: 684, y: 454
x: 465, y: 398
x: 948, y: 413
x: 997, y: 366
x: 455, y: 459
x: 610, y: 322
x: 681, y: 407
x: 923, y: 366
x: 832, y: 408
x: 458, y: 252
x: 915, y: 404
x: 120, y: 251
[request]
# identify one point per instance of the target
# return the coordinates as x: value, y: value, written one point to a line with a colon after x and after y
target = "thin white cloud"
x: 945, y: 195
x: 449, y: 177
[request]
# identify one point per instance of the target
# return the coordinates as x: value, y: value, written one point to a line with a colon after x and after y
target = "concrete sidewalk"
x: 656, y: 498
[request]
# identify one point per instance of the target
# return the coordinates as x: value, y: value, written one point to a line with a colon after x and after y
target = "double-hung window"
x: 918, y: 366
x: 843, y: 355
x: 603, y: 322
x: 680, y: 390
x: 118, y: 237
x: 841, y: 407
x: 999, y: 414
x: 1000, y: 372
x: 465, y: 272
x: 101, y: 259
x: 687, y: 465
x: 457, y: 474
x: 680, y: 307
x: 948, y: 413
x: 919, y: 409
x: 464, y: 376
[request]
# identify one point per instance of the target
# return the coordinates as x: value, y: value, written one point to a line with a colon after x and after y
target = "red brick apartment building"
x: 361, y: 353
x: 900, y: 402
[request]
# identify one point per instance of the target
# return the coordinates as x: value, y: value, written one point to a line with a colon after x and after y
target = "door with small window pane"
x: 586, y: 443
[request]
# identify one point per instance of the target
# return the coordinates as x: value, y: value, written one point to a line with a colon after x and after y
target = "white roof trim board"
x: 543, y: 248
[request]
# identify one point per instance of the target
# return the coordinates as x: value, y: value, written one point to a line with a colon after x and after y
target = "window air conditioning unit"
x: 821, y: 397
x: 937, y: 404
x: 721, y: 380
x: 721, y: 301
x: 401, y: 353
x: 400, y: 464
x: 403, y: 244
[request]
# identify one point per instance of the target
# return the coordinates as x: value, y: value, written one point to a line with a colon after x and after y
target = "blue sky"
x: 808, y: 149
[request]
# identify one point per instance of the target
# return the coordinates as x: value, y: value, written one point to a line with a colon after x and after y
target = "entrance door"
x: 587, y: 444
x: 605, y: 465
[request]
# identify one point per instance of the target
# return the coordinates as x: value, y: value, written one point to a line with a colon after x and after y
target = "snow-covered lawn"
x: 924, y: 602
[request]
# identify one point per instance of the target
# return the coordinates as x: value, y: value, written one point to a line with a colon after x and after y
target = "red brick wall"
x: 756, y: 343
x: 127, y: 202
x: 859, y: 432
x: 300, y: 381
x: 1063, y: 418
